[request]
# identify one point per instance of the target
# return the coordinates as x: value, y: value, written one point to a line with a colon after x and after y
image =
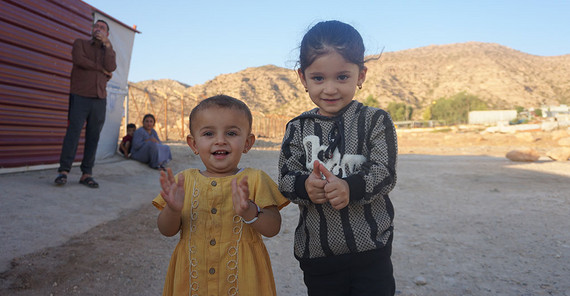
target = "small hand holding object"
x: 315, y: 185
x: 337, y: 191
x: 172, y: 191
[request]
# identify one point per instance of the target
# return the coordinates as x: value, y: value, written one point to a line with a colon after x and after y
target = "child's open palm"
x: 271, y: 221
x: 172, y: 191
x: 240, y: 196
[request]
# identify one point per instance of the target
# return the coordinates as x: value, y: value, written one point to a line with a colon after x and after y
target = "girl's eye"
x: 207, y: 134
x: 342, y: 77
x: 232, y: 134
x: 318, y: 78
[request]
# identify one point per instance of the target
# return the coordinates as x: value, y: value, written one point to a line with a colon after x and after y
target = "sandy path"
x: 467, y: 225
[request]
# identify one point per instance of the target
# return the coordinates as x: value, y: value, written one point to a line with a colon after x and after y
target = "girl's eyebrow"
x: 337, y: 73
x: 226, y: 128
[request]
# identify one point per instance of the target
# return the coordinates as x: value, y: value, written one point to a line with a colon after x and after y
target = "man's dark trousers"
x: 82, y: 110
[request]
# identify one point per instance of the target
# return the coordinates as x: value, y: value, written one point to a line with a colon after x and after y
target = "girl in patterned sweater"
x: 338, y: 163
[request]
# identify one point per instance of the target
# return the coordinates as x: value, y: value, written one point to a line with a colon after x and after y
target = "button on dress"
x: 217, y: 253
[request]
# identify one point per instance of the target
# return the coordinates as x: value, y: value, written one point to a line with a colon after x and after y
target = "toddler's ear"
x: 249, y: 143
x: 192, y: 143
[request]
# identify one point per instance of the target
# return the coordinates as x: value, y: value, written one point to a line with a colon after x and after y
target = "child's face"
x: 332, y: 82
x: 220, y: 136
x: 130, y: 131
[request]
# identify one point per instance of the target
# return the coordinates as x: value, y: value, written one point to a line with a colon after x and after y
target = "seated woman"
x: 147, y: 147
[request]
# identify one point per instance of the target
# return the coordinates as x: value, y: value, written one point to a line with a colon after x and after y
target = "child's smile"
x: 331, y: 82
x: 220, y: 154
x: 220, y: 136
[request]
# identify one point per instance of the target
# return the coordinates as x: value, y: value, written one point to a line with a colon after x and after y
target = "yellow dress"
x: 227, y: 256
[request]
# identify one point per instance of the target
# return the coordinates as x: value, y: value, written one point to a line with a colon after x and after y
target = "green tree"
x: 426, y: 115
x: 371, y: 101
x: 455, y: 110
x: 400, y: 111
x: 519, y: 109
x: 538, y: 112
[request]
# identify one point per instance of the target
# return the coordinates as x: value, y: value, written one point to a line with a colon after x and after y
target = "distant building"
x: 554, y: 111
x: 491, y: 117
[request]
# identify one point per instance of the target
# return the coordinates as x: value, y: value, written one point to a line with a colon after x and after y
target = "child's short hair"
x: 327, y: 36
x: 222, y: 101
x: 131, y: 125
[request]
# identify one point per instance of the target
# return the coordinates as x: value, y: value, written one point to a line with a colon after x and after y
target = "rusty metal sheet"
x: 13, y: 75
x: 26, y: 96
x: 35, y: 64
x: 14, y: 156
x: 80, y: 8
x: 30, y: 135
x: 63, y: 13
x: 27, y: 58
x: 20, y: 37
x: 19, y: 116
x: 26, y: 19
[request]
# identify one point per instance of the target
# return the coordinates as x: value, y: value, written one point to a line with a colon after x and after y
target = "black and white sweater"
x: 360, y: 146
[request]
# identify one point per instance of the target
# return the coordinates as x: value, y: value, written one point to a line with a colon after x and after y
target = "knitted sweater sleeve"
x: 379, y: 170
x: 292, y: 166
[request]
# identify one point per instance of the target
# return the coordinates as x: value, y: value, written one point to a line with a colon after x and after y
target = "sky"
x: 194, y: 41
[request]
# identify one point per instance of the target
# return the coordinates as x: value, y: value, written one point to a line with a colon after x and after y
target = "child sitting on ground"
x: 125, y: 146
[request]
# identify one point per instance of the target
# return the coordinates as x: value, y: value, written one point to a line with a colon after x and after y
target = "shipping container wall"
x: 35, y: 63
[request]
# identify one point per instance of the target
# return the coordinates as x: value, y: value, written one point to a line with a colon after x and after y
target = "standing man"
x: 93, y: 64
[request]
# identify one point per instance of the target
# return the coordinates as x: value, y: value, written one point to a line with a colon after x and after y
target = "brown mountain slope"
x: 503, y: 77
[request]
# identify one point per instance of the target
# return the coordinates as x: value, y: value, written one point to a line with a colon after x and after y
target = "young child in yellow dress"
x: 221, y: 211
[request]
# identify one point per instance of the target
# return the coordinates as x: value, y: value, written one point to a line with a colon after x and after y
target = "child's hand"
x: 315, y: 185
x: 172, y: 192
x: 337, y: 191
x: 240, y: 197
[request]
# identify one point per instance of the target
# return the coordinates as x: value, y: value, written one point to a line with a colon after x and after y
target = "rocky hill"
x: 501, y: 76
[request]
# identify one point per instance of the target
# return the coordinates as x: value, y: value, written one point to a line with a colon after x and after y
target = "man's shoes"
x: 89, y: 182
x: 61, y: 179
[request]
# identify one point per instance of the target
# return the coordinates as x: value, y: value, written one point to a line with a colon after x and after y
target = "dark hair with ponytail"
x: 327, y: 36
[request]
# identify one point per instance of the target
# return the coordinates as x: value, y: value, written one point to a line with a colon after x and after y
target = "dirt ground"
x: 468, y: 222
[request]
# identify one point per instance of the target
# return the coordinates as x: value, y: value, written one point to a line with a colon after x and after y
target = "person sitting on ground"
x: 147, y: 147
x: 125, y: 146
